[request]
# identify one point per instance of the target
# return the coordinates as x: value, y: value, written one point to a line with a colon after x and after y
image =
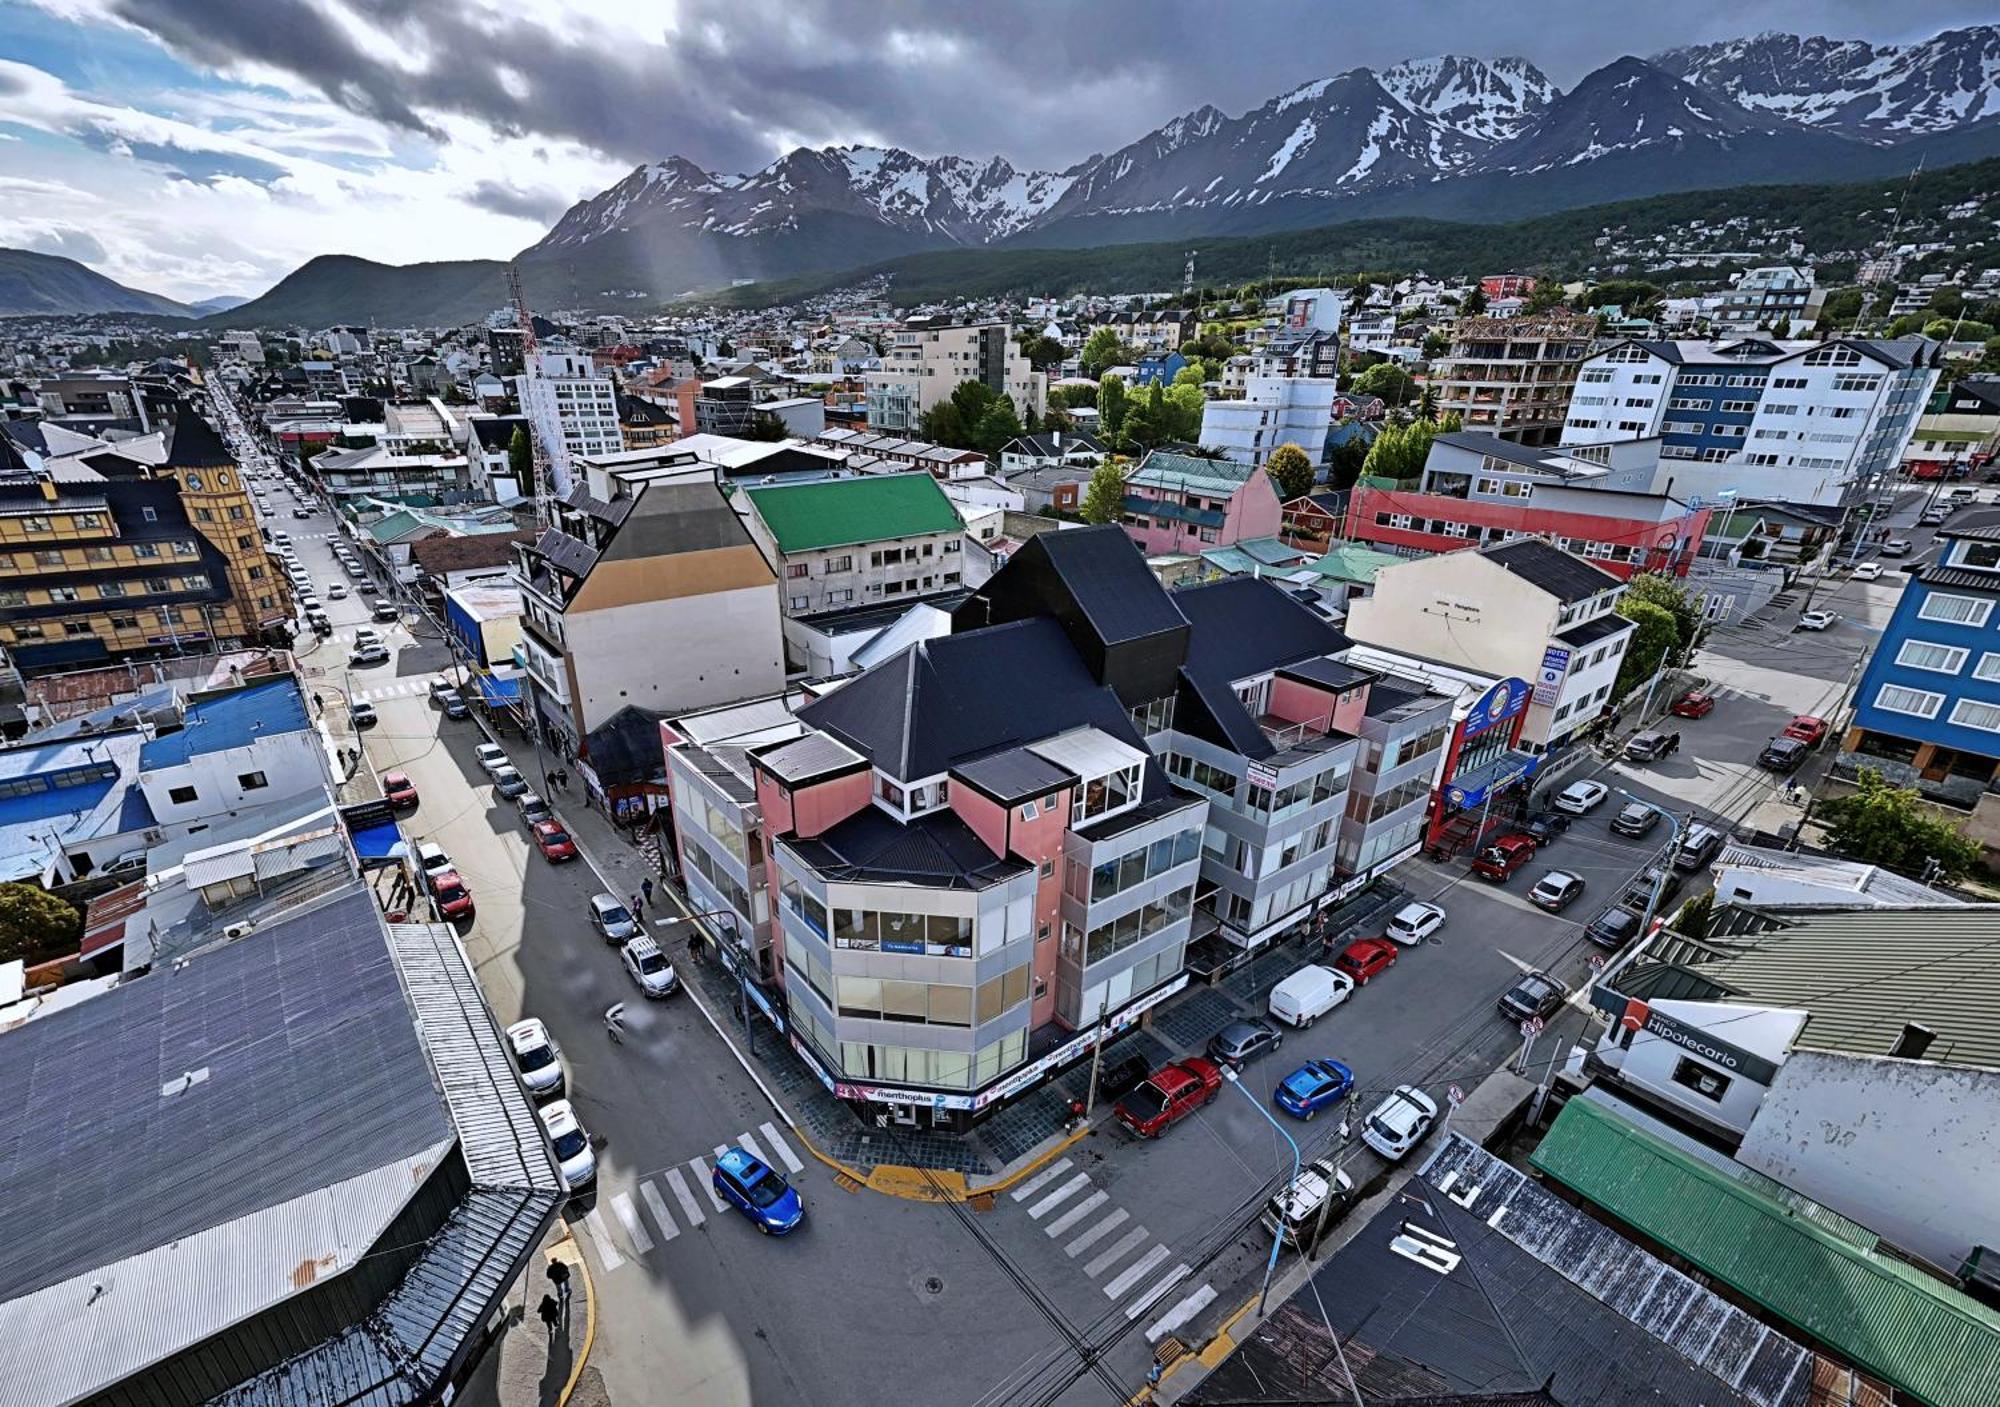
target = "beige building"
x: 929, y: 358
x: 1512, y: 377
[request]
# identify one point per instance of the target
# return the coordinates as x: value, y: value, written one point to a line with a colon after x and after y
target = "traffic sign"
x: 1532, y: 1027
x: 1455, y: 1095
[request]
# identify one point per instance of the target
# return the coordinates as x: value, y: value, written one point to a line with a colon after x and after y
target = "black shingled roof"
x: 1567, y: 577
x: 936, y: 850
x: 193, y: 444
x: 1014, y: 776
x: 1591, y: 631
x: 1114, y: 588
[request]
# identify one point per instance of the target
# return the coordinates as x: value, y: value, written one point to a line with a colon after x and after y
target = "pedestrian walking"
x: 559, y: 1277
x: 638, y: 907
x: 646, y: 889
x: 551, y: 1315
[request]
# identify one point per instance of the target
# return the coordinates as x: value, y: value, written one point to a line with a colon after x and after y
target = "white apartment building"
x: 929, y: 358
x: 1760, y: 419
x: 1275, y: 410
x: 1768, y: 297
x: 1370, y: 331
x: 242, y: 346
x: 574, y: 411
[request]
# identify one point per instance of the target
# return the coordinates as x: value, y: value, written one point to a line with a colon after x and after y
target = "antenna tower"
x: 530, y: 372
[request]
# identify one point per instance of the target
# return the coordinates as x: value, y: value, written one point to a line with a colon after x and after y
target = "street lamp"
x: 1278, y: 1236
x: 1653, y: 899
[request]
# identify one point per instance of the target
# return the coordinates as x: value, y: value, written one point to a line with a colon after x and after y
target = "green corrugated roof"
x: 1355, y: 564
x: 868, y: 508
x: 393, y: 526
x: 1165, y: 469
x: 1919, y: 1335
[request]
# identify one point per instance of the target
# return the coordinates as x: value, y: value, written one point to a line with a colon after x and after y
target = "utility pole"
x: 529, y: 375
x: 1096, y: 1059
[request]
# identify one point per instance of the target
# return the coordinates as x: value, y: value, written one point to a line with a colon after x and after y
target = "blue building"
x: 1928, y: 708
x: 1162, y: 367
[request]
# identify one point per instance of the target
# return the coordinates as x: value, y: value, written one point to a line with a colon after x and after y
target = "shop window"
x: 1704, y: 1080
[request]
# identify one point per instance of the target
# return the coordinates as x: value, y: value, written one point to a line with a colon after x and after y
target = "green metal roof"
x: 1891, y: 1319
x: 868, y: 508
x: 1166, y: 470
x: 1356, y: 564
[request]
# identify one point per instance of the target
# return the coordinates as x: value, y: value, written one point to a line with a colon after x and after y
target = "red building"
x: 1485, y: 772
x: 1507, y: 285
x: 1622, y: 532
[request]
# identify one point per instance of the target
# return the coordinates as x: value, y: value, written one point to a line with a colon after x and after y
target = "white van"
x: 1309, y: 994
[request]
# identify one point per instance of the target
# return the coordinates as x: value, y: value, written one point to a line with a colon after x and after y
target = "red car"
x: 1694, y: 704
x: 1499, y: 860
x: 1169, y: 1095
x: 398, y: 790
x: 1806, y: 729
x: 454, y: 900
x: 554, y: 841
x: 1366, y: 957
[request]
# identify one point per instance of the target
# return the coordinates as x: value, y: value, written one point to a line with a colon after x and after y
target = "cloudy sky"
x: 201, y: 147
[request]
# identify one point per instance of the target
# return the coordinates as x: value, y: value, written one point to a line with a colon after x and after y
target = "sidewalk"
x: 525, y: 1365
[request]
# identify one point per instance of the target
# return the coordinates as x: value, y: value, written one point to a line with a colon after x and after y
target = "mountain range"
x: 49, y: 285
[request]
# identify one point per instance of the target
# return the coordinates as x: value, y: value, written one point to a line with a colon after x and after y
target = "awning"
x: 494, y: 690
x: 1470, y: 789
x: 377, y: 842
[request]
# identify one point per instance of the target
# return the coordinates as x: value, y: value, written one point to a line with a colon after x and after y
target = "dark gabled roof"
x: 1598, y: 628
x: 1013, y: 776
x: 497, y: 432
x: 1110, y: 581
x: 1247, y: 625
x: 1984, y: 389
x: 958, y: 698
x: 938, y: 850
x: 1982, y: 526
x: 1479, y: 442
x: 193, y: 444
x: 1957, y: 578
x: 11, y: 460
x: 1899, y: 352
x: 1043, y: 443
x: 1329, y: 674
x: 1563, y: 575
x: 635, y: 410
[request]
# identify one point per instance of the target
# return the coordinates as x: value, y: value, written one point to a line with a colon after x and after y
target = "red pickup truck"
x: 1169, y: 1095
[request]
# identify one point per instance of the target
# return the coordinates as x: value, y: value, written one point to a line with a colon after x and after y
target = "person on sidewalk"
x: 638, y: 907
x: 646, y: 889
x: 551, y: 1314
x: 559, y: 1277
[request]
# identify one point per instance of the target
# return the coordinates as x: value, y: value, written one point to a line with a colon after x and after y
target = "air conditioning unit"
x: 240, y: 930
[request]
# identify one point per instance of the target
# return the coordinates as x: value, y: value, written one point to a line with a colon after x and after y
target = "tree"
x: 1042, y: 351
x: 1546, y: 294
x: 1102, y: 349
x: 1189, y: 375
x: 1291, y: 470
x: 1399, y: 451
x: 1475, y: 303
x: 943, y: 425
x: 1653, y: 638
x: 766, y: 428
x: 1890, y: 826
x: 521, y: 460
x: 1344, y: 468
x: 1104, y: 495
x: 1671, y: 596
x: 1183, y: 406
x: 1111, y: 403
x: 1427, y: 403
x: 1070, y: 397
x: 35, y: 925
x: 997, y: 427
x: 1387, y: 380
x: 1696, y: 915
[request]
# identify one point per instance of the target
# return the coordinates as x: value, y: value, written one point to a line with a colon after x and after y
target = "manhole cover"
x: 933, y: 1285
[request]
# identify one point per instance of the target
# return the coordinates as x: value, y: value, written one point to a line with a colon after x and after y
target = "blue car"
x: 1315, y: 1085
x: 758, y: 1192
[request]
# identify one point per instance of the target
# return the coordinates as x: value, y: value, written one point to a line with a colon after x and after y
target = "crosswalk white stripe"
x: 785, y: 1154
x: 690, y: 1208
x: 1060, y: 1195
x: 1125, y: 1244
x: 1039, y: 1181
x: 1136, y: 1271
x: 1153, y: 1296
x: 657, y: 1205
x: 1077, y: 1213
x: 600, y: 1235
x: 628, y: 1217
x: 1097, y: 1233
x: 750, y: 1146
x: 707, y: 1180
x: 1185, y: 1310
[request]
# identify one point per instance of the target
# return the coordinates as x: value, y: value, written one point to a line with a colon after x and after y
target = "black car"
x: 1243, y: 1040
x: 1535, y: 994
x: 1651, y: 746
x: 1117, y: 1080
x: 1613, y: 928
x: 1639, y: 892
x: 1635, y: 820
x: 1545, y: 826
x: 1782, y: 755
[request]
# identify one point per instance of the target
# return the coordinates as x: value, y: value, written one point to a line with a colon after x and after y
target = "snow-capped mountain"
x: 1874, y: 92
x: 1486, y: 101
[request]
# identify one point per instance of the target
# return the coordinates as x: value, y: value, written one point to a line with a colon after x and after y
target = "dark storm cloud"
x: 728, y: 82
x: 540, y: 204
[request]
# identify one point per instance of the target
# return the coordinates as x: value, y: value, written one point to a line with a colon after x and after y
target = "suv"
x: 1533, y: 994
x: 1544, y: 826
x: 1399, y: 1122
x: 1299, y: 1209
x: 1635, y: 820
x: 648, y: 967
x: 1698, y: 847
x: 1652, y: 745
x: 537, y: 1058
x: 1499, y: 860
x: 1169, y: 1095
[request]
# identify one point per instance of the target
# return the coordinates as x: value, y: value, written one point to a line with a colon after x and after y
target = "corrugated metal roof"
x: 1916, y: 1333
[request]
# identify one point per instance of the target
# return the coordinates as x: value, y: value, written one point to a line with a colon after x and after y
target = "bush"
x: 35, y: 925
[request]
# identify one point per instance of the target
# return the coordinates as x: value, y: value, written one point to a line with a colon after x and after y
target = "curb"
x: 567, y: 1250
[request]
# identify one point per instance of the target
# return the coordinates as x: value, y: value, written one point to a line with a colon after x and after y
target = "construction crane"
x: 530, y: 372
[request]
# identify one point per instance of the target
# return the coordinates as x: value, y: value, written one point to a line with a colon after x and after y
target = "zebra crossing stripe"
x: 1120, y: 1248
x: 1180, y: 1314
x: 1136, y: 1271
x: 1039, y: 1181
x: 1097, y: 1233
x: 657, y: 1205
x: 708, y: 1183
x: 1077, y: 1213
x: 1153, y: 1296
x: 690, y: 1208
x: 628, y: 1217
x: 1060, y: 1195
x: 600, y: 1235
x: 785, y: 1154
x: 749, y: 1146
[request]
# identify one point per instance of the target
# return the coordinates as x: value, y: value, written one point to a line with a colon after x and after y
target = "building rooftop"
x: 1563, y: 575
x: 1014, y: 776
x: 938, y: 850
x: 1918, y: 1334
x: 232, y: 720
x: 1845, y: 882
x: 839, y: 512
x: 1190, y: 473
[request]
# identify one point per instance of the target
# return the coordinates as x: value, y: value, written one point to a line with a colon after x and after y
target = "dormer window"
x: 1981, y: 556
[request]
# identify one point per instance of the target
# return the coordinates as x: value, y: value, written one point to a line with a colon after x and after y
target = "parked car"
x: 1544, y: 826
x: 1613, y: 928
x: 1415, y: 922
x: 533, y: 809
x: 1581, y: 798
x: 1298, y: 1211
x: 646, y: 965
x: 537, y: 1058
x: 453, y: 704
x: 1399, y: 1122
x: 509, y: 783
x: 1818, y: 620
x: 1315, y: 1085
x: 431, y: 859
x: 1652, y: 745
x: 1635, y: 820
x: 1504, y: 856
x: 1365, y: 957
x: 571, y: 1144
x: 553, y: 841
x: 1868, y: 571
x: 1782, y: 755
x: 398, y: 790
x: 1169, y: 1095
x: 612, y: 919
x: 1807, y: 729
x: 361, y: 714
x: 1309, y: 994
x: 1120, y: 1079
x: 1896, y: 547
x: 1698, y: 847
x: 454, y: 900
x: 1639, y: 892
x: 386, y: 611
x: 492, y: 757
x: 1243, y: 1040
x: 363, y: 655
x: 437, y: 690
x: 1556, y: 891
x: 757, y: 1191
x: 336, y: 591
x: 1533, y: 994
x: 1695, y: 703
x: 366, y: 587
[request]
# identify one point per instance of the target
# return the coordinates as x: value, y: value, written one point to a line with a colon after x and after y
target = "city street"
x: 1059, y: 1290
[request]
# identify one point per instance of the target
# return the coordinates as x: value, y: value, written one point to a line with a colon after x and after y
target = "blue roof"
x: 136, y: 813
x: 231, y: 720
x: 46, y: 805
x: 495, y: 690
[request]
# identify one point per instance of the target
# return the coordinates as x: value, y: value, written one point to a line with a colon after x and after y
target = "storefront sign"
x: 1633, y: 1014
x: 1473, y: 790
x: 903, y: 945
x: 1069, y: 1050
x: 1259, y: 775
x: 1494, y: 707
x: 819, y: 1073
x: 1549, y: 682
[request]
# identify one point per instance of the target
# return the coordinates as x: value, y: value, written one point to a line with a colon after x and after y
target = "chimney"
x: 1914, y: 1041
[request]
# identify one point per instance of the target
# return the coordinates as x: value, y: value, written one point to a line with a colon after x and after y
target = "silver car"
x: 648, y: 966
x: 612, y: 919
x: 537, y: 1058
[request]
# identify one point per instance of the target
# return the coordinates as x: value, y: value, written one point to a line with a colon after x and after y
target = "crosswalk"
x: 1142, y: 1272
x: 400, y: 689
x: 627, y: 1224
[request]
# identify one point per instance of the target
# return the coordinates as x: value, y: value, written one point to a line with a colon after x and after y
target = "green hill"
x: 47, y: 285
x: 337, y: 288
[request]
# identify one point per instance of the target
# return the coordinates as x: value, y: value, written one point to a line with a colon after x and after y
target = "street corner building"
x: 292, y: 1166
